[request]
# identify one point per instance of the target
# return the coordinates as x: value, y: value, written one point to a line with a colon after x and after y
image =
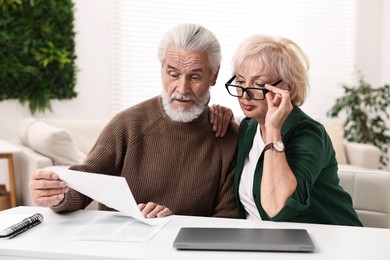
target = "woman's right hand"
x: 279, y: 107
x: 220, y: 118
x: 46, y: 188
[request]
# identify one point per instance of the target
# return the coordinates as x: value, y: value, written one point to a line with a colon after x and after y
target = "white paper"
x: 114, y: 228
x: 112, y: 191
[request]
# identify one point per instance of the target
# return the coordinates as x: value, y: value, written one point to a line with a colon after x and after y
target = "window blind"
x: 326, y: 30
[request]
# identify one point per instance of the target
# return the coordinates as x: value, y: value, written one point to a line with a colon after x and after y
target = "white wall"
x: 385, y: 43
x: 369, y: 33
x: 93, y: 50
x: 385, y: 51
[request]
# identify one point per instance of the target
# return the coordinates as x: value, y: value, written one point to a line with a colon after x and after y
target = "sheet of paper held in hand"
x: 116, y: 195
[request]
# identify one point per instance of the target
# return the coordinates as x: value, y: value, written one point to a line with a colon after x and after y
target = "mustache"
x: 186, y: 97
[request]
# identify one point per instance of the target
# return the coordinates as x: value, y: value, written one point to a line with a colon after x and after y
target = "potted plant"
x: 366, y: 110
x: 37, y: 52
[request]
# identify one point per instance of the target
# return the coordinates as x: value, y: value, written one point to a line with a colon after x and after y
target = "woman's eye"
x: 240, y: 82
x: 259, y: 85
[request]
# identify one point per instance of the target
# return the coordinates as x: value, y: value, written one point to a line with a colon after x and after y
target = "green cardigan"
x: 318, y: 198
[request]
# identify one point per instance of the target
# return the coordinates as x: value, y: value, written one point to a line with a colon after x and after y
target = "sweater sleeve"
x: 105, y: 157
x: 226, y: 203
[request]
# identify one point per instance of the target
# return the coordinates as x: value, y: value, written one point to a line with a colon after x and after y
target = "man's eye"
x: 240, y: 82
x: 195, y: 77
x: 173, y: 75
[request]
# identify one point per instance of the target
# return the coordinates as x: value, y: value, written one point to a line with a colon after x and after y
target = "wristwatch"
x: 276, y: 145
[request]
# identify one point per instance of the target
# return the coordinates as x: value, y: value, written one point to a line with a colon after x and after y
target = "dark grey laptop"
x: 244, y: 239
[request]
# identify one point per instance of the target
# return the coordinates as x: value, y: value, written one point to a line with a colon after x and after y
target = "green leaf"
x: 366, y: 110
x: 37, y: 52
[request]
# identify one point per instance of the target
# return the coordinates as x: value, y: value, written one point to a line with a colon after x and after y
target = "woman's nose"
x: 246, y: 94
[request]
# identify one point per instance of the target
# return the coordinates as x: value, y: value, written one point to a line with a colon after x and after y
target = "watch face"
x: 279, y: 146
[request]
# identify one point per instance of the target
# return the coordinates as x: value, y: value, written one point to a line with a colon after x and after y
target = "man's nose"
x: 183, y: 85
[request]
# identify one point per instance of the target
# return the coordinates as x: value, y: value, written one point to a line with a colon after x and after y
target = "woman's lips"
x: 247, y: 107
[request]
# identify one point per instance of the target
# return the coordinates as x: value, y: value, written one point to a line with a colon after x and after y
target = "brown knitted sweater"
x: 179, y: 165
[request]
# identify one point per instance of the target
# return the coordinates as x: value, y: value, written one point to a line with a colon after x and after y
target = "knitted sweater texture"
x: 179, y: 165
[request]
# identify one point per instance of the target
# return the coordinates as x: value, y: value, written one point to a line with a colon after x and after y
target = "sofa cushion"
x: 336, y: 134
x: 363, y: 155
x: 370, y: 194
x: 83, y: 132
x: 51, y: 141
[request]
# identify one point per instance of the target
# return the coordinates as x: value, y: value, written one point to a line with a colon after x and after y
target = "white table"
x: 44, y: 241
x: 6, y: 152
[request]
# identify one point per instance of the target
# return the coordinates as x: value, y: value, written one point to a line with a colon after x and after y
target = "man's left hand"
x: 154, y: 210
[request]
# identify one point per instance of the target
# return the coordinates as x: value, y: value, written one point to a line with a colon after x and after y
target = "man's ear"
x: 214, y: 78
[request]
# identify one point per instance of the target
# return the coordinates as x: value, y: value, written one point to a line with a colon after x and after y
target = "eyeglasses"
x: 253, y: 93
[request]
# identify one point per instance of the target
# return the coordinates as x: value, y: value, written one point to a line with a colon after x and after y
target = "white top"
x: 6, y: 147
x: 246, y: 183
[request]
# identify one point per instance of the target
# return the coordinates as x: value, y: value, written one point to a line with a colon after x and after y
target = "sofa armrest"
x: 370, y: 194
x: 363, y: 155
x: 26, y: 162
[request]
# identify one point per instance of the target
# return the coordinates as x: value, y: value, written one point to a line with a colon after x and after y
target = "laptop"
x: 244, y: 239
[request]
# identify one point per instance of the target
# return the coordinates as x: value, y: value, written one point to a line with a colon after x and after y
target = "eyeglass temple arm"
x: 277, y: 83
x: 230, y: 81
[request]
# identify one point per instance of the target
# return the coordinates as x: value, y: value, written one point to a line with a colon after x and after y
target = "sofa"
x: 49, y: 142
x: 62, y: 142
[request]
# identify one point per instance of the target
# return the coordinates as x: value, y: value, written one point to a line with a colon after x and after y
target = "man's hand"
x: 46, y: 188
x: 220, y: 118
x: 153, y: 210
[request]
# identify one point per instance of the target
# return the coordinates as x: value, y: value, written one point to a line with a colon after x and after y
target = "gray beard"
x: 180, y: 115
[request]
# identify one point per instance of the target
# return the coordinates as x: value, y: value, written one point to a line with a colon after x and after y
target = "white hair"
x: 192, y: 37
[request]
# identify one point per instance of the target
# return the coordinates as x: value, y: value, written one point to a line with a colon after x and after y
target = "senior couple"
x: 179, y: 156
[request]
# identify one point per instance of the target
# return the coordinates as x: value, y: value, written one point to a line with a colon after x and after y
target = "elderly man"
x: 165, y: 146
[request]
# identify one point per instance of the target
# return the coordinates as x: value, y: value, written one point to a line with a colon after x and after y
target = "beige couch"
x: 47, y: 142
x: 370, y: 191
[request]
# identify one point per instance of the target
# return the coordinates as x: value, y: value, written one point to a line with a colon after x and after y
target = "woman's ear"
x: 291, y: 89
x: 288, y: 86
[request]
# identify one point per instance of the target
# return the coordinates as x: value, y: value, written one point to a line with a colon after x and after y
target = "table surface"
x: 6, y: 147
x: 44, y: 241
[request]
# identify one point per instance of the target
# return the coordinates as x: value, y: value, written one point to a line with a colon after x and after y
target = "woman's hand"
x: 154, y: 210
x: 220, y: 118
x: 279, y: 107
x: 278, y: 181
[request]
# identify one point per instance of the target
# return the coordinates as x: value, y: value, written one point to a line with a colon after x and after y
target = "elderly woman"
x: 286, y: 166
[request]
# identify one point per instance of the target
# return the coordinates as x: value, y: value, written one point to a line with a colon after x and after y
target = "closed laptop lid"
x: 244, y: 239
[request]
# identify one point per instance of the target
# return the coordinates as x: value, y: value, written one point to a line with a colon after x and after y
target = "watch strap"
x: 272, y: 146
x: 269, y: 146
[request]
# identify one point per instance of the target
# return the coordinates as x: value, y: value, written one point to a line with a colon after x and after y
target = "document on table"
x: 116, y: 195
x: 114, y: 228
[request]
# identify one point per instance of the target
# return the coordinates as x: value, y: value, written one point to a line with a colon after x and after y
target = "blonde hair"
x: 279, y: 56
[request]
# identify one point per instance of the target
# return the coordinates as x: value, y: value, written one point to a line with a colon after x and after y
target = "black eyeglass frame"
x: 245, y: 90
